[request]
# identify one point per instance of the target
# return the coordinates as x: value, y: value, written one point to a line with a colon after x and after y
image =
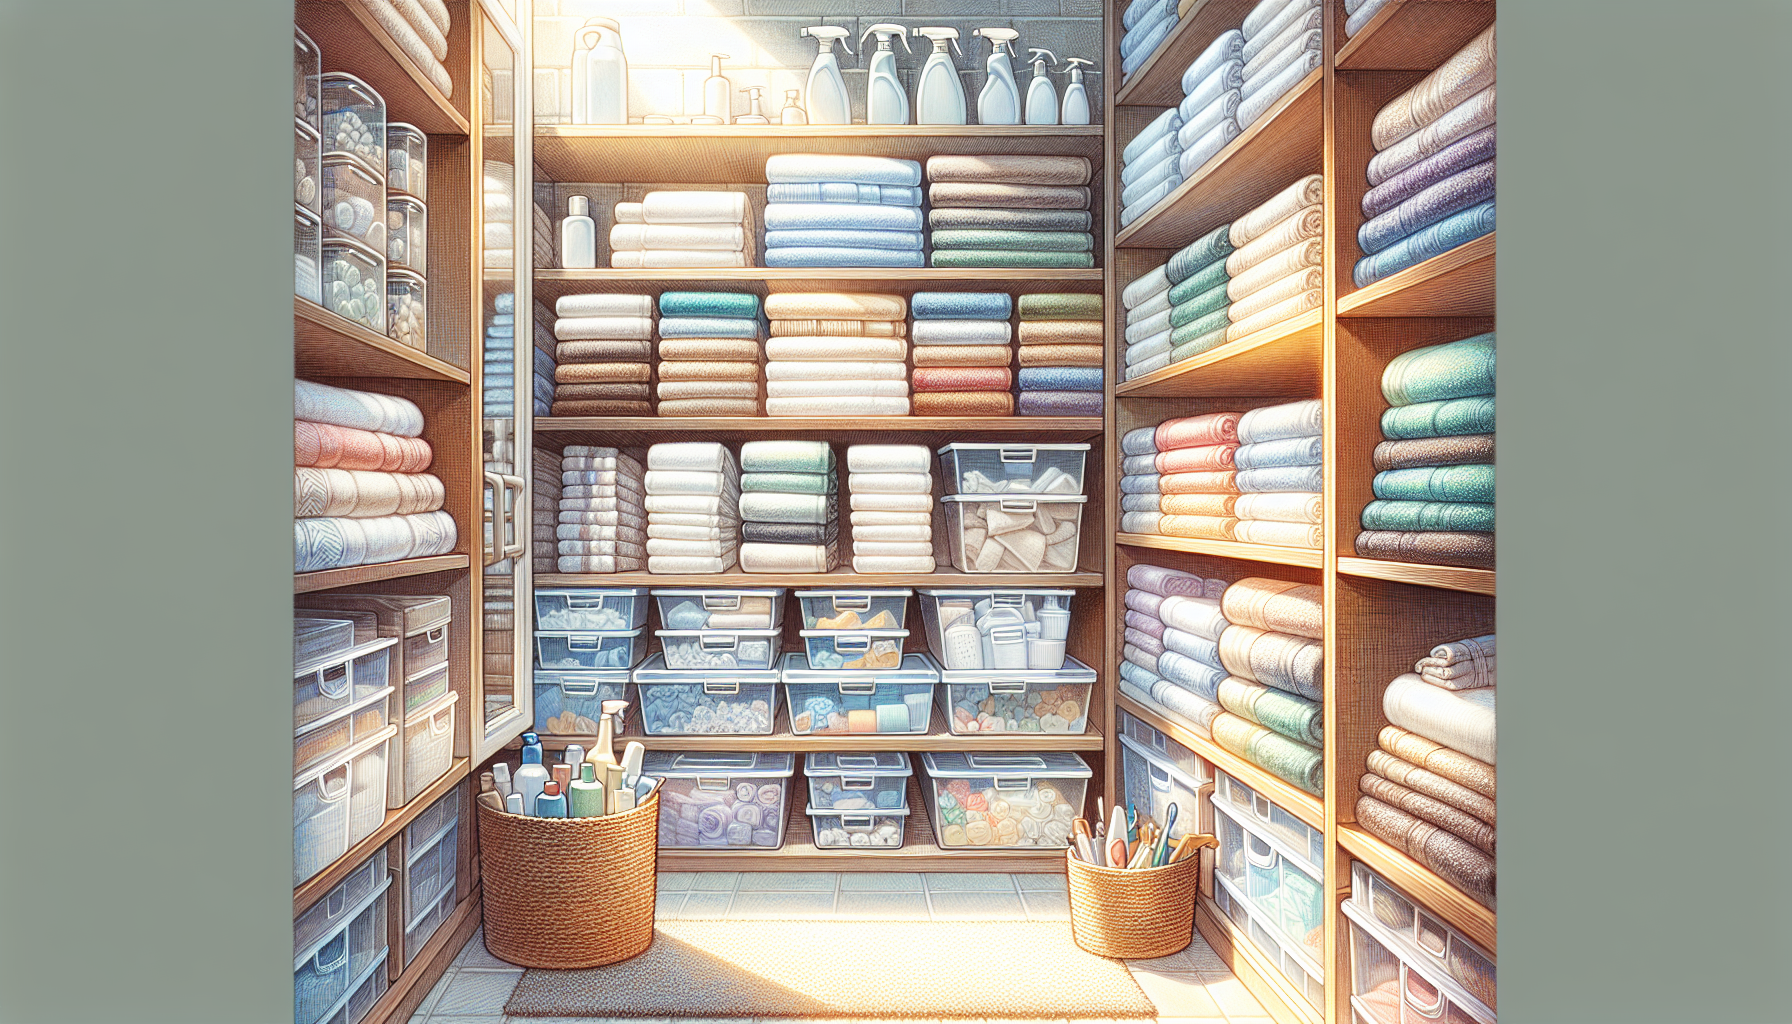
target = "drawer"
x: 718, y: 800
x: 428, y: 746
x: 1151, y: 785
x: 751, y: 650
x: 854, y: 609
x: 425, y: 689
x: 1260, y: 870
x: 1421, y: 938
x: 337, y: 733
x: 326, y: 688
x: 590, y: 650
x: 570, y: 703
x: 691, y: 608
x: 1301, y: 839
x: 1301, y: 971
x: 419, y: 931
x: 327, y: 968
x: 613, y: 609
x: 857, y: 782
x: 866, y: 830
x: 424, y: 651
x: 1388, y: 988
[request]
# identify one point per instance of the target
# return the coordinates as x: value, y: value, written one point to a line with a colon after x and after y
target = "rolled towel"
x: 1227, y: 46
x: 1465, y: 73
x: 1152, y: 157
x: 1275, y: 606
x: 785, y: 168
x: 1218, y: 111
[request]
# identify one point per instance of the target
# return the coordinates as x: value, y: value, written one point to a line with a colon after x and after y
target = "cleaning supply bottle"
x: 826, y: 89
x: 488, y: 792
x: 532, y: 775
x: 755, y: 106
x: 501, y: 779
x: 999, y: 102
x: 551, y: 803
x: 1042, y: 96
x: 718, y: 93
x: 886, y: 102
x: 1076, y: 97
x: 578, y: 235
x: 793, y: 111
x: 939, y: 97
x: 599, y: 74
x: 632, y: 755
x: 575, y: 756
x: 585, y: 798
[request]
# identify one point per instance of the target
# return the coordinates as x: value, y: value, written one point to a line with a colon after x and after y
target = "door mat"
x: 836, y: 969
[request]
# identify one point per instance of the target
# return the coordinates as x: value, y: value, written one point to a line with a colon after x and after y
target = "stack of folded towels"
x: 1274, y: 272
x: 671, y: 229
x: 693, y: 507
x: 1061, y: 356
x: 709, y: 354
x: 498, y: 382
x: 1010, y: 211
x: 1207, y: 117
x: 1147, y: 24
x: 1279, y: 465
x: 542, y: 378
x: 1170, y: 656
x: 1179, y: 479
x: 1147, y: 303
x: 789, y: 507
x: 1430, y: 791
x: 1200, y: 306
x: 891, y: 507
x: 602, y: 521
x: 543, y: 238
x: 544, y: 511
x: 1281, y: 47
x: 1150, y: 166
x: 1273, y: 656
x: 828, y: 210
x: 1359, y: 13
x: 360, y: 493
x: 604, y: 355
x: 836, y: 354
x: 420, y: 28
x: 1434, y: 473
x: 1432, y: 174
x: 500, y: 215
x: 962, y: 353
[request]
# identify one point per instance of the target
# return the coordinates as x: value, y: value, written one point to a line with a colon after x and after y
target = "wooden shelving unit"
x: 644, y: 430
x: 1312, y: 558
x: 353, y: 40
x: 1414, y: 35
x: 1448, y: 577
x: 1298, y: 802
x: 1287, y: 355
x: 327, y: 345
x: 1471, y: 918
x: 551, y: 284
x: 331, y: 579
x: 1457, y: 283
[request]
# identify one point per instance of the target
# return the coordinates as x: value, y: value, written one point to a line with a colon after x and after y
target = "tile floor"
x: 1191, y: 987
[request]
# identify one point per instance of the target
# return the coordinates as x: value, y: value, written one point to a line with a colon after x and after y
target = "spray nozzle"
x: 1076, y: 73
x: 940, y: 37
x: 715, y: 62
x: 1038, y: 61
x: 885, y: 33
x: 826, y: 36
x: 998, y: 38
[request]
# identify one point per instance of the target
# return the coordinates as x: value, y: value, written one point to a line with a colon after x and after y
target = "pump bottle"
x: 1076, y: 96
x: 793, y: 108
x: 755, y: 106
x: 999, y: 102
x: 826, y: 89
x: 578, y: 235
x: 532, y: 775
x: 939, y: 98
x: 1042, y: 96
x: 885, y: 100
x: 718, y: 94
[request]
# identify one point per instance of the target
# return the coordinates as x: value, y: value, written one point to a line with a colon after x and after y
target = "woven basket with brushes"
x: 1135, y: 913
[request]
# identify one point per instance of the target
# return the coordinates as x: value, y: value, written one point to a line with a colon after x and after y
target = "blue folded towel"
x: 709, y: 327
x: 1454, y: 230
x: 1138, y: 167
x: 1191, y: 675
x: 785, y: 168
x: 1164, y: 124
x: 1223, y: 79
x: 500, y: 331
x: 814, y: 257
x: 1168, y: 169
x: 1146, y: 44
x: 1150, y: 31
x: 1227, y: 46
x: 841, y: 216
x: 1139, y: 10
x: 961, y: 305
x: 1059, y: 378
x: 504, y: 302
x: 1201, y: 649
x: 842, y: 192
x: 503, y: 318
x: 1458, y: 192
x: 853, y: 238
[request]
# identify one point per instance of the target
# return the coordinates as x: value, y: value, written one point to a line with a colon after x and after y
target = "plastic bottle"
x: 585, y: 797
x: 578, y: 235
x: 501, y: 779
x: 488, y: 792
x: 532, y: 775
x: 1042, y: 95
x: 632, y: 755
x: 939, y: 98
x: 718, y: 93
x: 793, y: 110
x: 1076, y: 97
x: 755, y: 106
x: 599, y: 74
x: 562, y: 774
x: 886, y: 102
x: 575, y: 756
x: 826, y: 89
x: 999, y: 102
x: 551, y: 803
x: 514, y: 803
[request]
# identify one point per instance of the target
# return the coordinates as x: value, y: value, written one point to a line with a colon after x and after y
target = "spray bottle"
x: 793, y: 109
x: 1076, y: 97
x: 999, y: 102
x: 885, y: 100
x: 939, y: 98
x: 755, y: 106
x: 718, y: 94
x: 826, y: 90
x: 1042, y: 96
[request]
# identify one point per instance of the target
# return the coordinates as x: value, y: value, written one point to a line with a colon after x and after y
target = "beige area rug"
x: 874, y: 969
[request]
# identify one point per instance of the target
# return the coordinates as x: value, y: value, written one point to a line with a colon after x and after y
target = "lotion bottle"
x: 1042, y: 96
x: 585, y: 797
x: 551, y: 803
x: 718, y: 93
x: 578, y: 235
x: 532, y: 775
x: 999, y: 102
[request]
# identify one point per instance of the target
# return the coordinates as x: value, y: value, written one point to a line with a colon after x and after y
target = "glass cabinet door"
x: 501, y: 238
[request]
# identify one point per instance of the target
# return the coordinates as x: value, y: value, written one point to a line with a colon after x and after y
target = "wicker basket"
x: 1138, y: 914
x: 568, y: 892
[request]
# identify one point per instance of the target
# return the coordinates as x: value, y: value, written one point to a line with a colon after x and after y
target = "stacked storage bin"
x: 1016, y: 211
x: 720, y: 800
x: 858, y: 800
x: 352, y: 187
x: 1015, y: 508
x: 852, y: 676
x: 1061, y: 354
x: 854, y: 629
x: 342, y: 691
x: 1268, y: 877
x: 709, y: 354
x: 1156, y: 772
x: 340, y: 949
x: 892, y: 508
x: 603, y: 356
x: 1005, y: 666
x: 1271, y: 648
x: 407, y: 233
x: 962, y: 353
x: 789, y: 507
x: 602, y: 518
x: 1171, y: 653
x: 569, y: 701
x: 1279, y: 465
x: 307, y: 197
x: 1395, y: 942
x: 693, y: 507
x: 836, y: 354
x: 426, y: 894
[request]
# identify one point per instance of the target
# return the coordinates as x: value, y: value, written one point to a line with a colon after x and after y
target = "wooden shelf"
x: 1158, y: 81
x: 330, y: 579
x: 733, y: 154
x: 322, y: 882
x: 1456, y: 283
x: 1311, y: 558
x: 1415, y: 35
x: 1284, y: 358
x: 940, y: 578
x: 1284, y: 144
x: 326, y: 345
x: 1298, y: 802
x: 627, y: 430
x: 552, y: 284
x: 1437, y: 895
x: 351, y: 40
x: 1449, y: 577
x: 937, y: 737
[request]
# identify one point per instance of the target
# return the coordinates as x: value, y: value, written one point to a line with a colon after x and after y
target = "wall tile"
x: 582, y: 9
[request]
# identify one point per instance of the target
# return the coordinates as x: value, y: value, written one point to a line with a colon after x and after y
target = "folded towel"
x: 709, y: 371
x: 1138, y: 45
x: 1145, y: 287
x: 696, y: 456
x: 692, y: 548
x: 961, y: 306
x: 1275, y: 53
x: 602, y: 407
x: 1200, y: 283
x: 1003, y: 196
x: 1360, y: 17
x: 1197, y: 152
x: 1195, y: 459
x: 420, y: 41
x: 1228, y: 77
x: 1143, y: 483
x: 1468, y: 151
x: 1473, y: 483
x: 1214, y: 300
x: 1142, y: 365
x: 1050, y: 241
x: 1276, y: 270
x: 604, y: 350
x: 867, y: 517
x: 812, y: 370
x: 786, y: 457
x: 855, y: 406
x: 1439, y: 419
x: 1148, y: 326
x: 1197, y: 527
x: 1056, y: 332
x: 335, y: 543
x: 962, y: 332
x: 891, y: 483
x: 1137, y: 521
x: 788, y: 483
x: 1197, y: 255
x: 729, y: 350
x: 841, y: 257
x: 1199, y: 122
x: 845, y: 238
x: 789, y: 533
x: 889, y: 458
x: 1288, y: 451
x: 1011, y: 258
x: 758, y: 557
x: 360, y: 410
x: 1434, y: 812
x: 891, y: 549
x: 1149, y: 625
x: 908, y: 534
x: 874, y: 502
x: 1290, y: 663
x: 1201, y: 616
x: 1189, y: 341
x: 1059, y: 378
x: 1150, y: 159
x: 681, y: 566
x: 1294, y: 763
x: 1281, y: 300
x: 1143, y: 641
x: 1142, y: 441
x: 1458, y: 192
x: 1461, y: 720
x: 1194, y: 431
x: 962, y: 378
x: 612, y: 391
x: 867, y: 565
x: 1281, y: 507
x: 1470, y: 116
x: 783, y: 168
x: 1011, y: 169
x: 1275, y: 422
x: 1299, y: 226
x: 363, y: 494
x: 1151, y: 179
x: 1453, y: 765
x: 1458, y: 450
x: 726, y: 237
x: 1273, y: 33
x: 695, y: 207
x: 1465, y: 73
x: 1150, y: 603
x: 1453, y: 858
x: 1275, y: 606
x: 836, y: 349
x: 676, y: 390
x: 836, y: 389
x: 1470, y: 550
x: 1011, y: 219
x: 962, y: 403
x: 709, y: 327
x: 835, y: 306
x: 1227, y: 46
x: 842, y: 192
x: 603, y: 305
x: 1200, y: 504
x: 1264, y: 92
x: 1295, y: 717
x: 1059, y: 403
x: 601, y: 373
x: 692, y: 504
x: 585, y: 328
x: 1454, y: 230
x: 1060, y: 355
x: 1433, y: 785
x: 1160, y: 127
x: 1187, y: 673
x: 1201, y: 649
x: 672, y: 259
x: 328, y: 446
x: 1460, y: 664
x: 1306, y: 479
x: 1166, y: 582
x: 1201, y: 482
x: 669, y: 531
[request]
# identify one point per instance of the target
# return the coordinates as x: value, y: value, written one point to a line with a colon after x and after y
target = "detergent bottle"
x: 885, y: 100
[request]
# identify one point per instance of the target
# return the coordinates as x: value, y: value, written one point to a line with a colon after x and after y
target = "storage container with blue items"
x: 1407, y: 964
x: 857, y: 782
x: 971, y: 629
x: 570, y: 703
x: 1269, y: 874
x: 604, y: 609
x: 682, y: 703
x: 431, y: 849
x: 1018, y: 700
x: 998, y: 800
x: 837, y: 701
x: 338, y: 942
x: 732, y: 608
x: 722, y: 801
x: 1157, y: 772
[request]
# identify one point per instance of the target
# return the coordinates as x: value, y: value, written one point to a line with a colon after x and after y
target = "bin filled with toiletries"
x: 1013, y: 508
x: 854, y: 674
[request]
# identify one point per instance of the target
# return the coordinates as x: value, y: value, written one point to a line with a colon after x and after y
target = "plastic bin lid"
x: 691, y: 764
x: 873, y: 633
x: 590, y: 591
x: 366, y: 252
x: 872, y: 593
x: 653, y: 672
x: 716, y: 632
x: 1017, y: 496
x: 950, y: 593
x: 355, y: 707
x: 718, y: 591
x: 1159, y: 761
x: 882, y: 762
x: 579, y: 677
x: 343, y: 657
x: 916, y: 668
x: 602, y: 634
x: 997, y: 446
x: 855, y: 812
x: 956, y: 764
x: 1301, y: 859
x: 1073, y: 671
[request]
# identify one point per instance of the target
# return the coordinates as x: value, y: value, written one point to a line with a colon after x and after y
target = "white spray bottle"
x: 885, y: 100
x: 1076, y: 97
x: 939, y: 98
x: 1042, y: 96
x: 999, y: 102
x: 826, y: 89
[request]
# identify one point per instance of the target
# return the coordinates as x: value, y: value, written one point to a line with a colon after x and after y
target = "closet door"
x: 504, y: 690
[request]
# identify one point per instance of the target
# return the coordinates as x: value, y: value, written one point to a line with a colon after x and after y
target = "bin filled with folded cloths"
x: 962, y: 353
x: 1279, y: 465
x: 1273, y: 273
x: 890, y: 507
x: 498, y: 184
x: 1170, y: 650
x: 709, y: 354
x: 1179, y: 478
x: 854, y: 361
x: 1061, y: 354
x: 1430, y: 788
x: 693, y: 507
x: 679, y: 228
x: 1146, y: 24
x: 1272, y: 654
x: 1003, y: 194
x: 601, y: 523
x: 1431, y: 179
x: 836, y: 210
x: 1281, y: 48
x: 498, y: 381
x: 603, y: 355
x: 1434, y: 481
x: 789, y: 507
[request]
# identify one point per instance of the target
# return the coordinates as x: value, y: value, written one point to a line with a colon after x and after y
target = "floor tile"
x: 1046, y: 906
x: 1177, y: 995
x: 880, y: 881
x: 704, y: 906
x: 474, y: 956
x: 1175, y: 963
x: 782, y: 906
x: 476, y: 992
x: 1202, y: 956
x: 668, y: 904
x: 1234, y: 999
x: 977, y: 906
x: 970, y: 881
x: 674, y: 881
x: 714, y: 881
x: 1041, y: 883
x: 882, y: 906
x: 435, y: 992
x: 787, y: 881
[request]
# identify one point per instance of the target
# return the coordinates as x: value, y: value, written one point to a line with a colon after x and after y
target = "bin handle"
x: 1266, y: 859
x: 855, y: 822
x: 1022, y: 782
x: 1160, y: 777
x: 435, y: 635
x: 338, y: 961
x: 1020, y: 454
x: 1436, y: 928
x: 714, y: 784
x: 721, y: 686
x: 443, y: 721
x: 852, y: 642
x: 577, y: 689
x: 721, y: 602
x: 857, y: 687
x: 1259, y: 805
x: 856, y: 760
x: 1017, y: 505
x: 584, y: 601
x: 332, y: 682
x: 1008, y: 686
x: 718, y: 641
x: 857, y: 782
x: 580, y: 643
x: 1433, y: 1010
x: 1007, y: 599
x: 860, y: 603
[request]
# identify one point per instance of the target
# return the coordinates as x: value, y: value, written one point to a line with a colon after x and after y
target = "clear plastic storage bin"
x: 570, y: 703
x: 425, y: 650
x: 428, y: 745
x: 1421, y: 938
x: 425, y: 688
x: 330, y: 964
x: 365, y: 993
x: 1019, y: 700
x: 307, y: 238
x: 854, y: 609
x: 972, y: 629
x: 589, y: 650
x: 712, y: 801
x: 407, y: 233
x: 1389, y: 986
x: 985, y: 468
x: 689, y: 608
x: 1301, y: 970
x: 327, y: 687
x: 1266, y: 818
x: 339, y: 906
x: 430, y: 867
x: 354, y: 285
x: 839, y: 701
x: 602, y: 608
x: 854, y: 650
x: 418, y: 930
x: 1034, y: 534
x: 857, y: 782
x: 677, y: 703
x: 361, y: 719
x: 407, y: 159
x: 307, y: 152
x: 1156, y: 771
x: 862, y: 830
x: 354, y: 121
x: 1003, y: 799
x: 307, y: 65
x: 338, y: 803
x: 1288, y: 897
x: 407, y: 308
x: 316, y: 640
x: 354, y: 202
x: 746, y: 650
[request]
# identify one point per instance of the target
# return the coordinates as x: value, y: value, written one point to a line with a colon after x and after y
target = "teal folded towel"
x: 732, y: 304
x: 1435, y: 373
x: 1207, y: 278
x: 1439, y: 419
x: 1212, y: 322
x: 1210, y: 301
x: 1195, y: 346
x: 1195, y: 256
x: 1428, y: 516
x: 1440, y: 483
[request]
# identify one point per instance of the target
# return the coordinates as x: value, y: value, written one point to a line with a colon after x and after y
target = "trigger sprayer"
x: 1042, y: 96
x: 885, y: 100
x: 999, y: 102
x: 939, y: 98
x: 1076, y: 96
x: 826, y: 89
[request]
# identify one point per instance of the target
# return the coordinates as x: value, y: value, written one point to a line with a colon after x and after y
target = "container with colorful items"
x: 996, y: 800
x: 1054, y: 701
x: 713, y: 800
x: 896, y: 700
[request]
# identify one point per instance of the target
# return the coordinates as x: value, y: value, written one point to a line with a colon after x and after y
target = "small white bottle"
x: 1076, y: 95
x: 793, y: 110
x: 578, y: 235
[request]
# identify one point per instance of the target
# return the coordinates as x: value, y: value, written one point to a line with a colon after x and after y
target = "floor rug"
x: 836, y: 969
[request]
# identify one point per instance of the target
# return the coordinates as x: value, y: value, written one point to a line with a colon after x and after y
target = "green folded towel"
x: 1060, y: 306
x: 730, y: 304
x: 1293, y: 716
x: 1211, y: 276
x: 990, y: 238
x: 786, y: 457
x: 1214, y: 321
x: 1011, y: 258
x: 1210, y: 301
x: 1428, y: 516
x: 1195, y: 346
x: 789, y: 483
x: 1459, y: 369
x: 1195, y: 256
x: 1439, y: 419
